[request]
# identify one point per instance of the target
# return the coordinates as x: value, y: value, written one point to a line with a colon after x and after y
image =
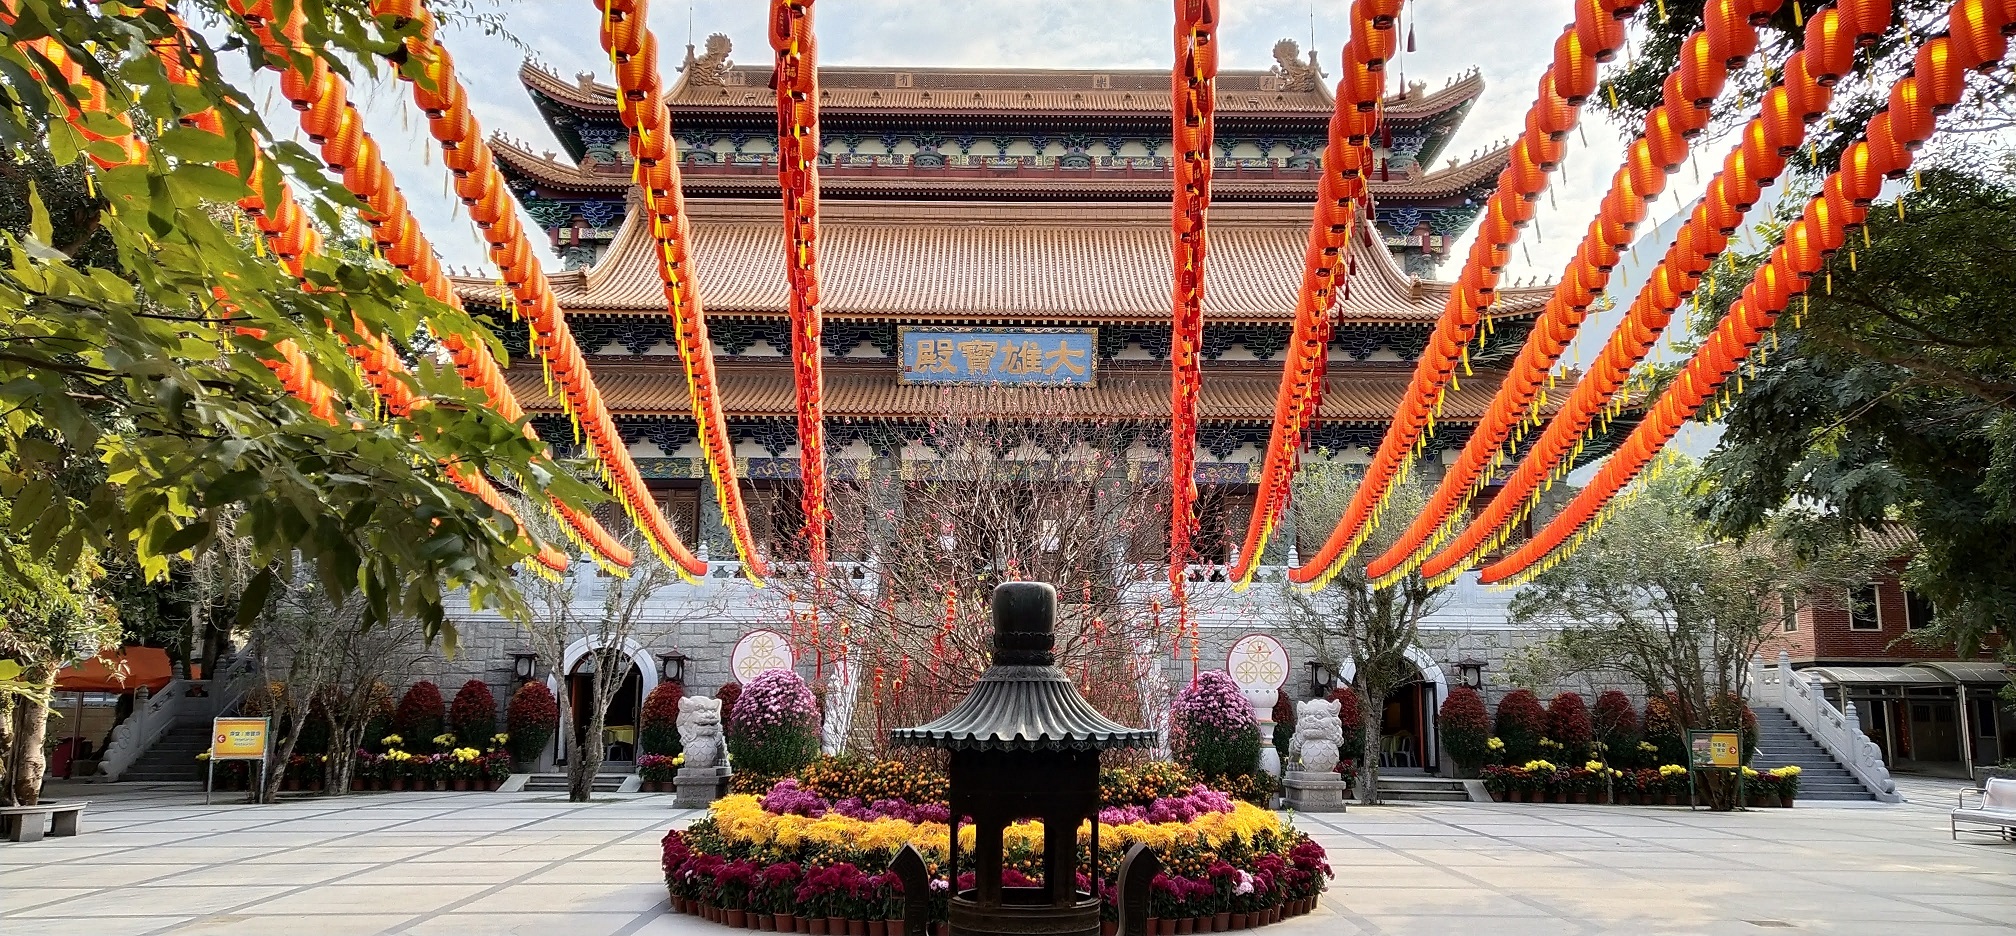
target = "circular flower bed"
x: 811, y: 858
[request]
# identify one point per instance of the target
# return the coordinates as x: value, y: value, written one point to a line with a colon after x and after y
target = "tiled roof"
x: 876, y: 88
x: 1243, y: 394
x: 1051, y: 262
x: 1475, y: 175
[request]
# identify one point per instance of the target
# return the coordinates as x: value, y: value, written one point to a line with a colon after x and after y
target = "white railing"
x: 1838, y: 731
x: 182, y: 698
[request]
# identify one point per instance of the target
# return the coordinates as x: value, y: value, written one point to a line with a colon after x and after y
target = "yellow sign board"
x: 238, y: 739
x: 1718, y: 749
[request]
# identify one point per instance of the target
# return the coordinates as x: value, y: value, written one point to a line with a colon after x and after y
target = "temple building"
x: 1002, y: 232
x: 1002, y: 207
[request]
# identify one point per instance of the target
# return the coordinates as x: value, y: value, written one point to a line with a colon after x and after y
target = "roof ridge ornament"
x: 708, y: 70
x: 1291, y: 72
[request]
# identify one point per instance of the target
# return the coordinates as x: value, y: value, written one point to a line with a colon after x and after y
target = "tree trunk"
x: 27, y: 763
x: 7, y: 707
x: 276, y: 765
x: 1371, y: 716
x: 585, y: 757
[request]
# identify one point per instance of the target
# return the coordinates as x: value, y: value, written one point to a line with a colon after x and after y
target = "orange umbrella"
x: 118, y: 671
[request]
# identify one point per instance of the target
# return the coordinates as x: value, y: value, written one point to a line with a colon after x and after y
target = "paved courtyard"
x: 158, y: 861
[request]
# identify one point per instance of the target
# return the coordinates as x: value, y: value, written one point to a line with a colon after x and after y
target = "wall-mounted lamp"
x: 1470, y: 672
x: 522, y: 664
x: 672, y: 666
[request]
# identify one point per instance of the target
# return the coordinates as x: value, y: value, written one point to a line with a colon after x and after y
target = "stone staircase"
x: 1421, y: 788
x: 1781, y: 742
x: 172, y: 759
x: 605, y: 782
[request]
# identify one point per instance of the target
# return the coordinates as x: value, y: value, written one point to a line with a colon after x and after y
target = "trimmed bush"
x: 773, y: 729
x: 1213, y: 730
x: 530, y: 717
x: 659, y: 733
x: 728, y: 695
x: 473, y: 716
x: 1663, y: 729
x: 1615, y: 723
x: 1521, y: 722
x: 421, y: 716
x: 379, y: 723
x: 1466, y: 727
x: 1569, y: 725
x: 1353, y: 716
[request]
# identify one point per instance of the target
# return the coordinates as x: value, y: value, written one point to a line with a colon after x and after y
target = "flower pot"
x: 1497, y: 796
x: 356, y: 784
x: 1241, y: 921
x: 804, y: 925
x: 786, y: 922
x: 1162, y: 927
x: 1579, y: 797
x: 836, y: 926
x: 1785, y: 801
x: 941, y: 928
x: 1106, y: 927
x: 1221, y: 922
x: 1672, y: 799
x: 738, y: 919
x: 878, y: 928
x: 763, y: 921
x: 398, y: 784
x: 857, y: 928
x: 1274, y: 914
x: 291, y: 784
x: 461, y: 785
x: 1185, y: 926
x: 440, y: 786
x: 814, y: 925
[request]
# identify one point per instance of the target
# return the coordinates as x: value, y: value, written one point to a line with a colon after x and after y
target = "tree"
x: 1895, y: 401
x: 322, y: 656
x: 1653, y: 594
x: 49, y: 617
x: 606, y: 610
x: 141, y: 324
x: 1353, y: 619
x: 1043, y: 496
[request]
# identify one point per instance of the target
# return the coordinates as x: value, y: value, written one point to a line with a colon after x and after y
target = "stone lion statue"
x: 700, y: 731
x: 1319, y: 735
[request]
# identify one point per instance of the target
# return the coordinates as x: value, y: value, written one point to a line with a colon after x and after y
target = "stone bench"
x: 24, y: 823
x: 1996, y: 808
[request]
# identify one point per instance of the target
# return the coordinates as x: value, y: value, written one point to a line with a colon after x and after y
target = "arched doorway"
x: 1408, y: 715
x: 622, y: 717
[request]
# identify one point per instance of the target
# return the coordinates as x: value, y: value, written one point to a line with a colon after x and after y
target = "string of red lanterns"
x: 1977, y: 39
x: 1595, y: 36
x: 1193, y: 102
x: 633, y: 49
x: 797, y: 81
x: 1347, y: 158
x: 1723, y: 44
x: 1775, y: 133
x: 332, y: 122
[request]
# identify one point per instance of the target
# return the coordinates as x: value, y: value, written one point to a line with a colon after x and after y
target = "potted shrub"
x: 530, y: 719
x: 1614, y: 725
x: 421, y: 713
x: 778, y: 888
x: 1212, y: 728
x: 657, y: 770
x: 1466, y: 729
x: 1569, y: 725
x: 1787, y: 779
x: 1497, y: 781
x: 658, y: 726
x: 773, y: 729
x: 473, y: 715
x: 1663, y: 731
x: 1673, y: 780
x: 1164, y: 898
x: 1520, y: 723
